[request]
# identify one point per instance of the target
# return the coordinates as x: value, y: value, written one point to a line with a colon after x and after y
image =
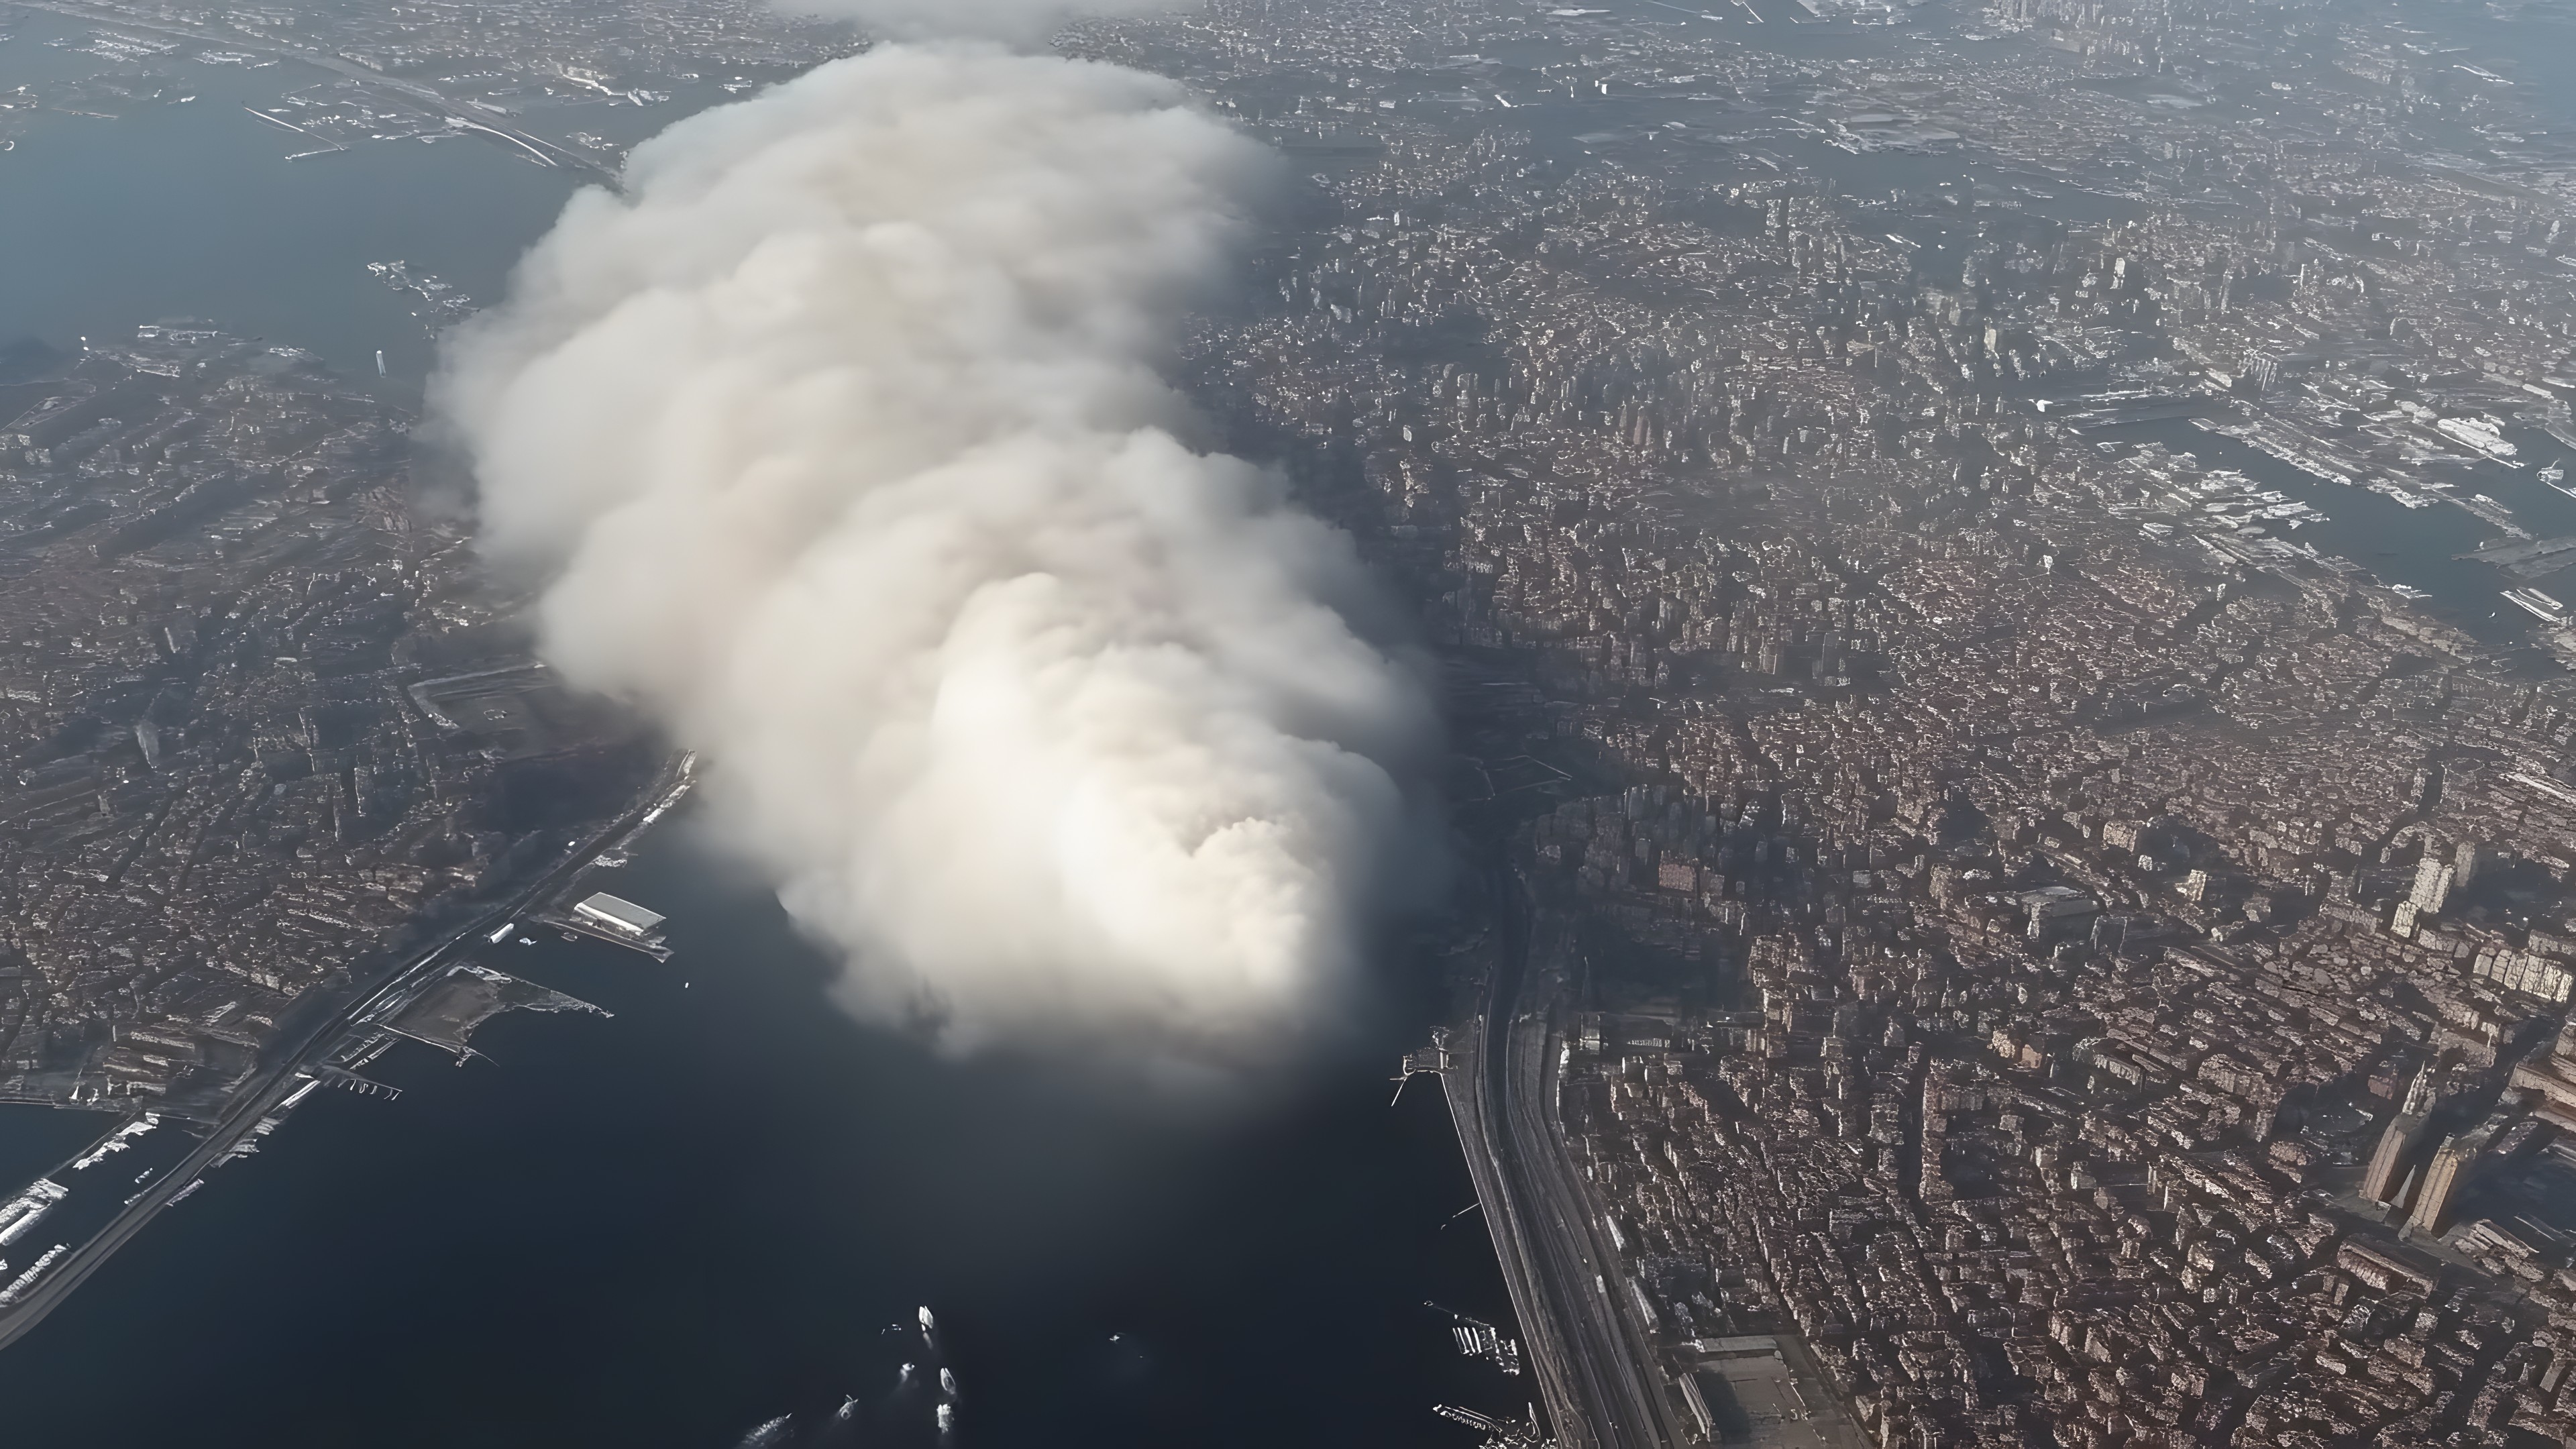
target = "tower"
x: 2443, y: 1178
x: 2433, y: 882
x: 2465, y: 863
x: 2383, y: 1181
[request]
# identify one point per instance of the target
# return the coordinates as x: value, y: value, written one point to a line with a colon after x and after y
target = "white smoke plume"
x: 841, y: 436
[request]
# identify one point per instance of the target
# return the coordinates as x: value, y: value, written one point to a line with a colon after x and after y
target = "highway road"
x: 278, y: 1078
x: 1590, y: 1352
x: 1548, y: 1357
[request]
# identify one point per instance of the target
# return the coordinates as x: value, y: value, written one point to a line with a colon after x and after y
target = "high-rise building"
x: 2384, y: 1180
x: 2444, y: 1177
x: 2263, y: 1112
x: 2465, y: 863
x: 2379, y: 1182
x: 2433, y: 880
x: 2403, y: 922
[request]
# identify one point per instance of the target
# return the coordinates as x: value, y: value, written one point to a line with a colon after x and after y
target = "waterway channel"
x: 725, y: 1203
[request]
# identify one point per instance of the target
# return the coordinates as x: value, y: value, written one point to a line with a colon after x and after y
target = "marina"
x: 2426, y: 539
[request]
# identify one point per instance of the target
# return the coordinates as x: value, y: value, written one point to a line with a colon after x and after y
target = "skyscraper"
x: 2447, y: 1174
x: 2433, y: 880
x: 2381, y: 1181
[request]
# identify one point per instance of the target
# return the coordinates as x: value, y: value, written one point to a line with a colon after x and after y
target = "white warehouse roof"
x: 619, y: 914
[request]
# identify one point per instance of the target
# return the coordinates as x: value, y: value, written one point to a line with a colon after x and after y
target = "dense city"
x: 1992, y: 569
x: 266, y: 726
x: 2035, y: 949
x: 434, y: 72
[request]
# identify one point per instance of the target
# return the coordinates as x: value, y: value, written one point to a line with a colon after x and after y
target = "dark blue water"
x: 192, y: 211
x: 35, y: 1140
x: 669, y: 1227
x: 666, y: 1228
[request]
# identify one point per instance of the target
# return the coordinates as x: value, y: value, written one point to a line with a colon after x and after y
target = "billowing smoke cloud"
x: 842, y: 438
